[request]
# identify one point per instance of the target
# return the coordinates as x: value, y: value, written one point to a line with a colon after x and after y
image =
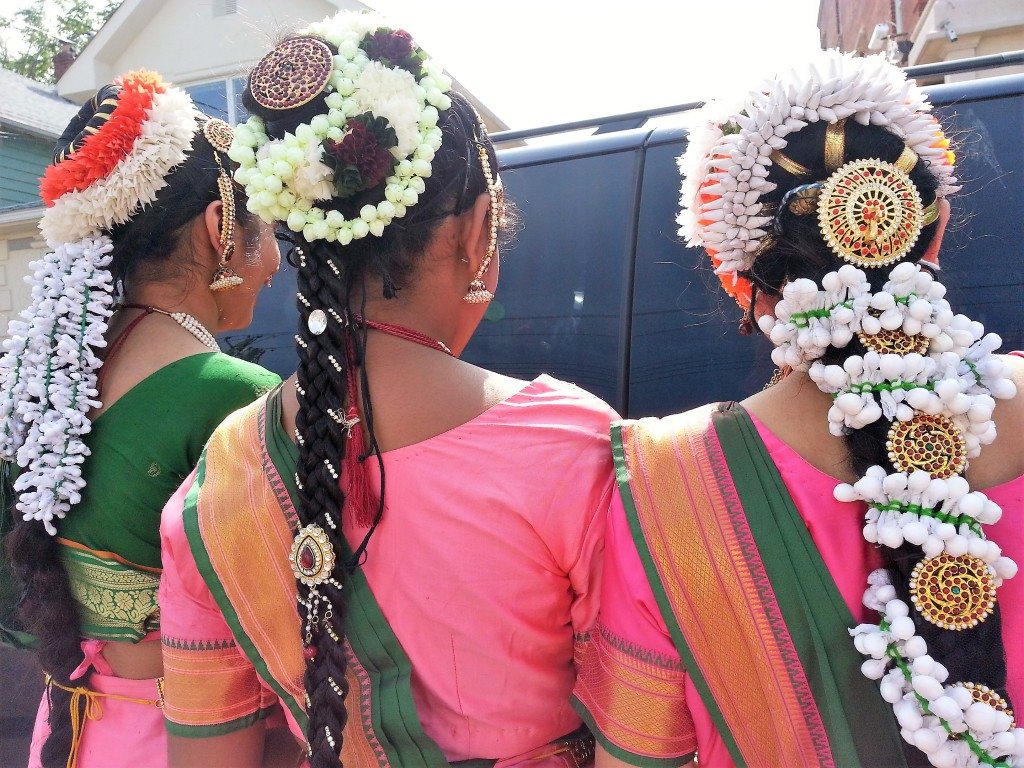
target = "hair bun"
x: 90, y: 118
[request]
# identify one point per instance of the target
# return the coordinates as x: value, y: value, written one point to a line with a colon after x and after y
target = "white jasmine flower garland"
x: 44, y: 413
x: 285, y: 178
x: 958, y: 377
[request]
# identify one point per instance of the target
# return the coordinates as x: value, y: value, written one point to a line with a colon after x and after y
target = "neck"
x: 173, y: 297
x: 414, y: 316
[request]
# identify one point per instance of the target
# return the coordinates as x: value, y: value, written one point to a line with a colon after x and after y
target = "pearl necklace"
x: 193, y: 326
x: 185, y: 320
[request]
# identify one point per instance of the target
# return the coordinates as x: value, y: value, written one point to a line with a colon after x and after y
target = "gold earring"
x: 478, y: 293
x: 219, y: 135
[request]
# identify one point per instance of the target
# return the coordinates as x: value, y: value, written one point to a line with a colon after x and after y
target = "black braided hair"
x: 975, y: 654
x: 333, y: 278
x: 146, y: 248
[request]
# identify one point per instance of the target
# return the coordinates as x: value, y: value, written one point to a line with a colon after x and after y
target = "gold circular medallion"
x: 294, y: 73
x: 312, y: 556
x: 986, y: 695
x: 895, y: 342
x: 931, y: 443
x: 870, y: 213
x: 219, y: 134
x: 953, y: 592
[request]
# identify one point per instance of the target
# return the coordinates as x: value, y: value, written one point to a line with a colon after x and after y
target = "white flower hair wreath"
x: 725, y: 165
x: 286, y: 178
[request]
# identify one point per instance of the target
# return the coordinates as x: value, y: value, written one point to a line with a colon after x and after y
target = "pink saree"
x: 482, y: 576
x: 632, y: 662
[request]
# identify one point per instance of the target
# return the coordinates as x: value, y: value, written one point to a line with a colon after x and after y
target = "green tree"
x: 71, y: 21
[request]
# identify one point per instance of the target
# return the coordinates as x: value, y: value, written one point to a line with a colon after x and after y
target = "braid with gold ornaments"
x: 824, y: 190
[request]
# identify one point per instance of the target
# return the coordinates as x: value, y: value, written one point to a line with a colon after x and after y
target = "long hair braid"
x: 322, y: 442
x: 975, y: 654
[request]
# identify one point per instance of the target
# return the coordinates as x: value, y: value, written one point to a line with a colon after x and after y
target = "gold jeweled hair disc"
x: 930, y: 443
x: 895, y: 342
x: 292, y: 74
x: 870, y: 213
x: 953, y: 592
x: 219, y: 134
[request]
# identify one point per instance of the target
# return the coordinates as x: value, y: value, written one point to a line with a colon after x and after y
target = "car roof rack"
x: 628, y: 120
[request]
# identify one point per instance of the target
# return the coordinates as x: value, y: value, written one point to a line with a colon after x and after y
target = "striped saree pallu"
x: 756, y: 617
x: 240, y: 521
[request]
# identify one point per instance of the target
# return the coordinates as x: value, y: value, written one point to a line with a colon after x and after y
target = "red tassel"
x: 360, y: 500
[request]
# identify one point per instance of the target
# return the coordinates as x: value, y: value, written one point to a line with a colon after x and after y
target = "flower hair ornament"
x: 376, y: 130
x: 928, y: 373
x: 110, y: 164
x: 728, y: 156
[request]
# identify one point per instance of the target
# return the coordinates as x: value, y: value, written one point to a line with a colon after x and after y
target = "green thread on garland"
x: 83, y: 323
x: 984, y: 757
x: 799, y: 319
x: 884, y: 386
x: 917, y: 509
x: 974, y: 370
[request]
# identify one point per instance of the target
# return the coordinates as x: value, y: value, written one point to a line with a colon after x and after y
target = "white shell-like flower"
x: 733, y: 164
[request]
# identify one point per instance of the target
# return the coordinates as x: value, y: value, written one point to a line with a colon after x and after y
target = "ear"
x: 211, y: 226
x: 474, y: 232
x: 931, y: 256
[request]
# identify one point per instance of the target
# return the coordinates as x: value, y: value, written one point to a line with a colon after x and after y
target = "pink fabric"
x: 127, y: 734
x: 486, y: 563
x: 630, y: 611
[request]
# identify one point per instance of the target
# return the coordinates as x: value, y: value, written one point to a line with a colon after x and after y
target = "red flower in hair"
x: 361, y: 159
x: 384, y: 44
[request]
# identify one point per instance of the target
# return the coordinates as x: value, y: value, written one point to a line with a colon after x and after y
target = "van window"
x: 560, y: 301
x: 685, y: 350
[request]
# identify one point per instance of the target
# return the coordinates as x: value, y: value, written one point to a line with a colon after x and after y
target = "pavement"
x: 21, y: 686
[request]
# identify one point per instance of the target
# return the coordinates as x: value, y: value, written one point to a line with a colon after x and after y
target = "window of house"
x: 221, y: 99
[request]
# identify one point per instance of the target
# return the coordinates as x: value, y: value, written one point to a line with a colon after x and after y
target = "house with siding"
x: 203, y: 46
x: 32, y: 116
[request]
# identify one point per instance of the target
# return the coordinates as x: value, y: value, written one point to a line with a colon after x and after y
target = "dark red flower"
x: 361, y: 149
x: 387, y: 45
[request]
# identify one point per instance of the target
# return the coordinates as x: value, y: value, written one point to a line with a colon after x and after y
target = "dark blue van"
x: 599, y: 290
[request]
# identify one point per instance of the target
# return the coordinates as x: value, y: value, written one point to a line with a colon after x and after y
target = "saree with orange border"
x: 758, y: 623
x: 232, y: 656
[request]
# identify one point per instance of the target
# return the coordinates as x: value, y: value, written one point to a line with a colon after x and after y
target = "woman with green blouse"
x: 153, y: 252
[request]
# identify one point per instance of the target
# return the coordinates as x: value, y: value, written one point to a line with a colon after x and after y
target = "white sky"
x: 538, y: 62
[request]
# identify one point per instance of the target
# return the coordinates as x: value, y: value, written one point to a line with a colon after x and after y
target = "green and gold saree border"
x: 717, y: 533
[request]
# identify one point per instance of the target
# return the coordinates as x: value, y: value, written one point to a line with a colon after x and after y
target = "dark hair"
x: 330, y: 277
x: 144, y: 244
x: 975, y: 654
x: 142, y: 252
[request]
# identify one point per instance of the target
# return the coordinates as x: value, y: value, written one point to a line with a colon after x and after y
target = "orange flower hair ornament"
x: 137, y: 135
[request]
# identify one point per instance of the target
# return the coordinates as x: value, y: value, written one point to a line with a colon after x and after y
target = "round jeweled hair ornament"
x: 729, y: 154
x: 927, y: 373
x: 376, y: 132
x: 110, y: 163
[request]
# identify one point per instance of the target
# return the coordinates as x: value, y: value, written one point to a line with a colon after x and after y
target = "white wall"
x: 189, y: 40
x: 18, y: 246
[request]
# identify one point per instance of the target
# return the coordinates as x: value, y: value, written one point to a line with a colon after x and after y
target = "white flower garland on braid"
x: 49, y: 370
x: 957, y: 378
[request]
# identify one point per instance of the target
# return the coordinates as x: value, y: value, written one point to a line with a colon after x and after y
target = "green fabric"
x: 860, y: 725
x: 395, y: 720
x: 147, y: 443
x: 143, y: 446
